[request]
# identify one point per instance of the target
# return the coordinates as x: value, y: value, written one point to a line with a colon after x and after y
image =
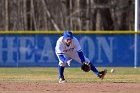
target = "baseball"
x: 112, y: 70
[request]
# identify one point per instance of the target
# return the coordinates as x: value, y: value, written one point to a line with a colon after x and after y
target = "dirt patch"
x: 43, y: 87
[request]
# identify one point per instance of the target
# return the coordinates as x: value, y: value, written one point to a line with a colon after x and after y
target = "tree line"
x: 80, y: 15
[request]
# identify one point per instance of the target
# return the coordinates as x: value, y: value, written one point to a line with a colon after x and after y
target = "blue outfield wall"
x: 24, y: 50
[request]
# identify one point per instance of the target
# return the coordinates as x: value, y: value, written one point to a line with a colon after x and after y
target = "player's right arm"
x: 59, y: 49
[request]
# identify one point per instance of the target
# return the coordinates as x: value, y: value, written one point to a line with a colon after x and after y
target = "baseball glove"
x: 85, y: 67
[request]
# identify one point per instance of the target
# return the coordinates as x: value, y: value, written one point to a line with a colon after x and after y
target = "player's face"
x: 68, y: 41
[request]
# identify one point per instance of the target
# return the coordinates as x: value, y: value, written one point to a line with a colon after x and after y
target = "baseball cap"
x: 68, y: 35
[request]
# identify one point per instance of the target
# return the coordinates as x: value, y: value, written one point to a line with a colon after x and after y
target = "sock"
x: 94, y: 69
x: 61, y: 71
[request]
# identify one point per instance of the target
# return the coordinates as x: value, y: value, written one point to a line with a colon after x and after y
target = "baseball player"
x: 67, y: 49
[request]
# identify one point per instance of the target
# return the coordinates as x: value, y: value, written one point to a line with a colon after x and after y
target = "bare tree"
x: 66, y: 15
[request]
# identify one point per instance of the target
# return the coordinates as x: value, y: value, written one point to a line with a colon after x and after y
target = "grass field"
x: 74, y: 75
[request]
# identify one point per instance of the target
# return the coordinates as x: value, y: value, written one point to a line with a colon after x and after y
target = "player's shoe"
x: 62, y: 80
x: 102, y: 74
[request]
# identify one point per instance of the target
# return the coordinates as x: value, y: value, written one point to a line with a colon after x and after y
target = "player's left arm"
x: 81, y: 56
x: 79, y: 51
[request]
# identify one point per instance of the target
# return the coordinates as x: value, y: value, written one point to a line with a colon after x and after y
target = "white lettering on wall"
x: 106, y: 47
x: 26, y: 47
x: 89, y: 45
x: 48, y: 51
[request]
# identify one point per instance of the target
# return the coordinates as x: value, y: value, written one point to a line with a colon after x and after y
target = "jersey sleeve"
x: 77, y: 45
x: 59, y: 48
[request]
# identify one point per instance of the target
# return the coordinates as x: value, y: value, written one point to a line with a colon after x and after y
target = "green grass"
x: 74, y: 75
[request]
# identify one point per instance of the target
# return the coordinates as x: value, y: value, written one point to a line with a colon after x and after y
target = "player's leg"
x: 74, y: 55
x: 61, y: 74
x: 99, y: 74
x: 61, y: 69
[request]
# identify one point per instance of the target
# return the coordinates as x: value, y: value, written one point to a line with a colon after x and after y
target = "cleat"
x: 62, y: 80
x: 102, y: 74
